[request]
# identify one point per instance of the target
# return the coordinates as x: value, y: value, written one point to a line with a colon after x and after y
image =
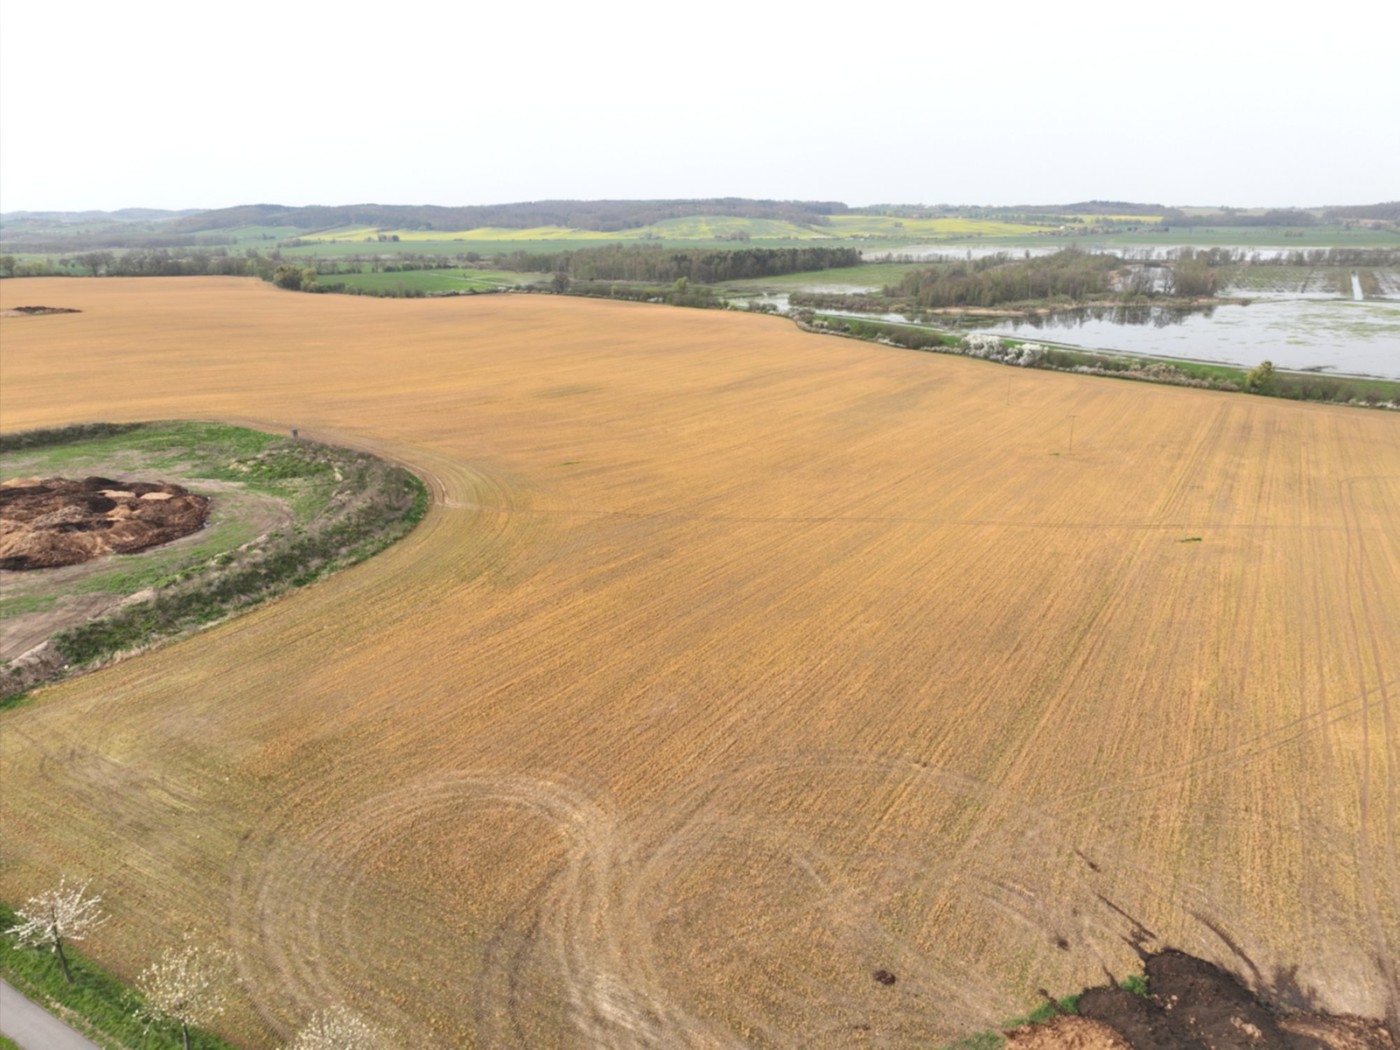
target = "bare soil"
x: 52, y: 522
x: 1194, y: 1005
x: 758, y: 663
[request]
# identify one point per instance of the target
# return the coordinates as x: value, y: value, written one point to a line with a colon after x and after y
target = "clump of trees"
x: 1192, y: 275
x: 1261, y: 379
x: 1069, y: 274
x: 295, y: 278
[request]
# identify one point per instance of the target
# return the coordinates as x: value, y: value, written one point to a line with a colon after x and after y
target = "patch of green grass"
x: 990, y: 1040
x: 158, y: 569
x: 97, y: 1001
x: 207, y: 446
x: 14, y: 699
x: 1135, y: 983
x: 22, y: 604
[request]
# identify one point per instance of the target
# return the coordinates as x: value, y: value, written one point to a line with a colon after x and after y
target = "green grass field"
x: 428, y: 281
x: 250, y: 236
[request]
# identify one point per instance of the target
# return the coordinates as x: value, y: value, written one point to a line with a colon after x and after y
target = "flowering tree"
x: 58, y: 915
x: 187, y: 985
x: 339, y: 1029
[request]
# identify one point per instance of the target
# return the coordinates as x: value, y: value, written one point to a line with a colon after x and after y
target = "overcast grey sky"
x: 175, y: 105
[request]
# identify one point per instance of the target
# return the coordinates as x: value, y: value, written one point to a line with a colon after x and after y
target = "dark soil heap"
x: 1194, y: 1005
x: 39, y: 311
x: 45, y: 523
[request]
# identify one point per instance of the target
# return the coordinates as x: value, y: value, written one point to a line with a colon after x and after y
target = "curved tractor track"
x: 742, y: 687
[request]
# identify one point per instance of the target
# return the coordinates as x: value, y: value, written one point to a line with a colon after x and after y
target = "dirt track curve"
x: 732, y: 667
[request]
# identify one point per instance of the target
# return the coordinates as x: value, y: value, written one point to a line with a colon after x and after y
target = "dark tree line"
x: 191, y: 262
x: 1389, y: 211
x: 1291, y: 217
x: 50, y: 241
x: 665, y: 265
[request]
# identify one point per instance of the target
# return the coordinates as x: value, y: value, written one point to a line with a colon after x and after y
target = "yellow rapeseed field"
x: 731, y: 666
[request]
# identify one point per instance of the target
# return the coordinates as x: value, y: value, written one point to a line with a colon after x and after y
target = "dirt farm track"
x: 731, y: 666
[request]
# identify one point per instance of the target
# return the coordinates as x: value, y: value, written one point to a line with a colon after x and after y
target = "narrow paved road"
x: 33, y: 1027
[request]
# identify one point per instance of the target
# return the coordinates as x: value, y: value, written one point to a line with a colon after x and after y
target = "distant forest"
x: 602, y: 216
x: 1389, y: 212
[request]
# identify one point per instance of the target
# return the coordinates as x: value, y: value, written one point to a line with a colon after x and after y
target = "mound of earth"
x: 35, y: 311
x: 1194, y: 1005
x: 48, y: 522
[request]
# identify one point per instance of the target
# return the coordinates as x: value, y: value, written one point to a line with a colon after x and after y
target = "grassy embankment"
x: 342, y: 507
x: 97, y: 1003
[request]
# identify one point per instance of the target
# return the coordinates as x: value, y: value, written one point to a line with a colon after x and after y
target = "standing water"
x: 1336, y: 335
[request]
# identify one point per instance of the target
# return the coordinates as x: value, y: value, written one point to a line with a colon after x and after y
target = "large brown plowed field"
x: 731, y: 666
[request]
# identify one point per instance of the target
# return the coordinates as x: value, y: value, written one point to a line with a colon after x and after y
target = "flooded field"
x: 1334, y: 335
x: 1302, y: 318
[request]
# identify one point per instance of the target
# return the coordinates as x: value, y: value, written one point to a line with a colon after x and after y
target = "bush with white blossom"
x: 992, y: 348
